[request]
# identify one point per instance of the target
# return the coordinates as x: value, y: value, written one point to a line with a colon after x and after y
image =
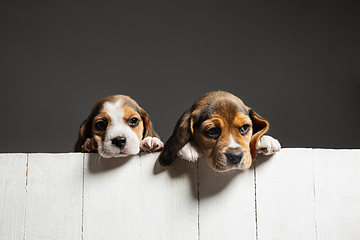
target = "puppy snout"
x: 234, y: 157
x: 119, y: 141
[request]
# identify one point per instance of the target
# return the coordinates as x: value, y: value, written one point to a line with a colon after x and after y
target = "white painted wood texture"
x: 295, y: 194
x: 285, y: 196
x: 54, y: 196
x: 12, y: 195
x: 134, y: 198
x: 337, y: 193
x: 226, y: 204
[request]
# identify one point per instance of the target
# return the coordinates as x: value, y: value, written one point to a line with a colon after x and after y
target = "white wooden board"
x: 111, y: 197
x: 12, y: 195
x: 122, y: 199
x: 296, y: 194
x: 226, y: 204
x: 337, y: 194
x: 171, y: 212
x: 285, y: 195
x: 54, y: 196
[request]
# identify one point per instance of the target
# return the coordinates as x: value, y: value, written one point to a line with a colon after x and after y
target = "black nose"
x: 234, y: 157
x: 119, y: 141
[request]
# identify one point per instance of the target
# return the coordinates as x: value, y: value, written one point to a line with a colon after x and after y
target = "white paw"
x: 190, y: 152
x: 151, y: 144
x: 268, y: 145
x: 89, y: 146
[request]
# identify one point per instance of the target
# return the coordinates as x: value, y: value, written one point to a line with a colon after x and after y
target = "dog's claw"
x: 151, y: 144
x: 89, y: 146
x: 268, y: 145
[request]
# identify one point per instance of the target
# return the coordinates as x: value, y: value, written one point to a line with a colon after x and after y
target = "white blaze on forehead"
x: 118, y: 126
x: 116, y: 113
x: 232, y: 143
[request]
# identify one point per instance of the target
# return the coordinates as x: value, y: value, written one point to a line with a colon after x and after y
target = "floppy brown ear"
x: 84, y: 133
x: 260, y: 126
x: 148, y: 127
x: 181, y: 135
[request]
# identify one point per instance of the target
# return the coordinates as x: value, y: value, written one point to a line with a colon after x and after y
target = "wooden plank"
x: 126, y: 198
x: 54, y: 196
x: 169, y: 201
x: 337, y: 193
x: 12, y: 195
x: 226, y: 204
x: 300, y: 194
x: 111, y: 197
x: 285, y: 195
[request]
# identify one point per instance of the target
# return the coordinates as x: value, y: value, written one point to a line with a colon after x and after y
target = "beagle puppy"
x: 220, y: 127
x: 117, y: 127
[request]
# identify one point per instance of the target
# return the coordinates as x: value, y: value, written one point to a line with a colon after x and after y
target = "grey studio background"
x: 296, y: 63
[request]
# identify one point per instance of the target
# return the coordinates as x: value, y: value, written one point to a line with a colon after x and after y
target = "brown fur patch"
x: 129, y: 113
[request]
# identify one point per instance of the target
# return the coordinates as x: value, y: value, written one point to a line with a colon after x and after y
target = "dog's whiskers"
x: 215, y: 167
x: 219, y: 168
x: 98, y: 159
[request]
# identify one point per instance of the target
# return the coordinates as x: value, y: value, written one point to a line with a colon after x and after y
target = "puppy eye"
x: 101, y: 125
x: 213, y: 133
x: 133, y: 122
x: 244, y: 129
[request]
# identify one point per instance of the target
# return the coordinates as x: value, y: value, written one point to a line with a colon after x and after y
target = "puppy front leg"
x: 268, y: 145
x: 191, y: 152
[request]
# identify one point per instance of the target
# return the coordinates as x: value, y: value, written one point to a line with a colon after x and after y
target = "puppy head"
x: 117, y: 124
x: 224, y: 128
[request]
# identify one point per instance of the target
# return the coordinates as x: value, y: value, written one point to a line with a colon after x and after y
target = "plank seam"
x: 314, y: 186
x: 82, y: 197
x: 255, y: 202
x: 198, y: 197
x: 26, y: 190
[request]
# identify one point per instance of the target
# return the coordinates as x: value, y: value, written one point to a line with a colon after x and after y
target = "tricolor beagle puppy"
x: 224, y: 130
x: 117, y: 127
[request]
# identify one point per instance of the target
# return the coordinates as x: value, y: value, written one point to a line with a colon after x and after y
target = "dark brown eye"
x: 244, y: 129
x: 213, y: 133
x: 101, y: 125
x: 133, y: 122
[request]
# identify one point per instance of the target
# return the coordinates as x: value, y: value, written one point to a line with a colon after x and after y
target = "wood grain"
x: 295, y: 194
x: 12, y: 195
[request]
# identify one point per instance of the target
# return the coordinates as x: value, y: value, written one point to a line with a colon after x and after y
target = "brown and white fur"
x: 117, y: 127
x: 220, y: 127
